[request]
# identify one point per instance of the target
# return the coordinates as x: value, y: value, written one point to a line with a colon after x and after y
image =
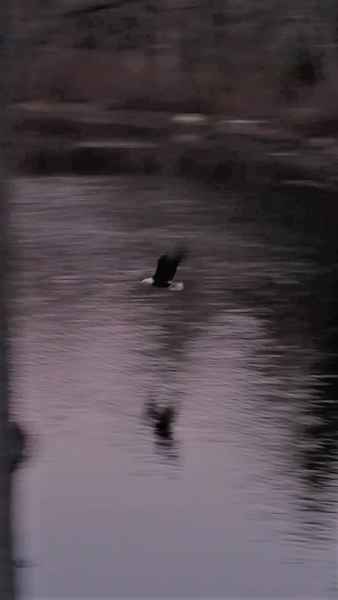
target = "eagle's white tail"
x: 176, y: 286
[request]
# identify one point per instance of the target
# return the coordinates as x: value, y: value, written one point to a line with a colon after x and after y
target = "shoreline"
x: 86, y: 140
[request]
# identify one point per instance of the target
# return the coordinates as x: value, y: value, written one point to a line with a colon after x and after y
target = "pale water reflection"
x: 234, y: 495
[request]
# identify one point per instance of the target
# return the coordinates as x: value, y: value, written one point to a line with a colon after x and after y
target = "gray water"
x: 239, y: 500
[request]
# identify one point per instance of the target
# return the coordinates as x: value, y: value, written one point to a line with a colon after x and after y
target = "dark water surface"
x: 235, y: 495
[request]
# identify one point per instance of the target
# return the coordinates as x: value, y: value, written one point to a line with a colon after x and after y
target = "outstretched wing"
x: 166, y: 269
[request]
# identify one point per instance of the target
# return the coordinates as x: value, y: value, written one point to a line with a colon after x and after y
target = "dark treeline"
x: 218, y: 55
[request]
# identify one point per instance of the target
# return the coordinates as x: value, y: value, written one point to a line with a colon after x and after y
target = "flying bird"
x: 166, y: 269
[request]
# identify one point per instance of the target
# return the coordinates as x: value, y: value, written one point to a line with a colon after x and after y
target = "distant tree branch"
x: 87, y: 10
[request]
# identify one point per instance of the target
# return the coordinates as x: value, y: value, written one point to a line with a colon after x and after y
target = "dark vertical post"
x: 7, y: 589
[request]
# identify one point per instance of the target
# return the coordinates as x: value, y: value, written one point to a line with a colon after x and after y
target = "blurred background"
x: 179, y: 444
x: 219, y: 56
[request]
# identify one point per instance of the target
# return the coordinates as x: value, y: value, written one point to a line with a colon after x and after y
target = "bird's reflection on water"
x: 162, y: 420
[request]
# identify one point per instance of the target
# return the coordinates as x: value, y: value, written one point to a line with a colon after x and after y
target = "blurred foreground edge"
x: 7, y: 583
